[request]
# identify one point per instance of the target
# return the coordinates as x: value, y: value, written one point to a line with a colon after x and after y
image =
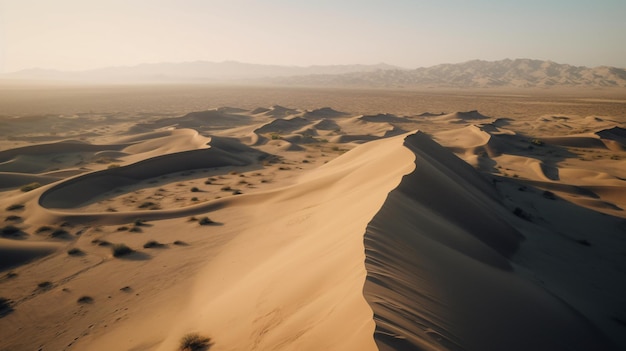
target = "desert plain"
x: 268, y: 218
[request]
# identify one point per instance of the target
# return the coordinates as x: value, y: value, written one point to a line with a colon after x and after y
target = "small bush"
x: 10, y: 230
x: 195, y: 189
x: 15, y: 207
x: 120, y: 250
x: 237, y: 192
x: 549, y: 195
x: 152, y: 244
x: 139, y: 222
x: 194, y: 342
x: 75, y: 252
x: 194, y: 199
x: 29, y: 187
x: 5, y: 306
x: 180, y: 243
x: 100, y: 242
x: 58, y: 233
x: 85, y: 299
x: 226, y: 188
x: 122, y: 228
x: 208, y: 182
x: 43, y: 228
x: 147, y: 204
x: 12, y: 218
x: 522, y: 214
x: 44, y: 285
x: 205, y: 221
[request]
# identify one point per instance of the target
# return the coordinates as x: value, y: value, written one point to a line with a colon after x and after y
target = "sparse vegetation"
x: 152, y: 244
x: 15, y: 207
x: 147, y: 204
x: 226, y: 188
x: 43, y: 228
x: 100, y: 242
x: 10, y: 230
x: 139, y: 222
x: 180, y: 243
x: 58, y: 233
x: 85, y: 300
x: 205, y: 221
x: 75, y: 252
x: 120, y: 250
x: 29, y: 187
x: 549, y: 195
x: 522, y: 214
x: 194, y: 342
x: 44, y: 285
x: 122, y: 228
x: 195, y: 189
x: 194, y: 199
x: 12, y: 218
x: 5, y: 306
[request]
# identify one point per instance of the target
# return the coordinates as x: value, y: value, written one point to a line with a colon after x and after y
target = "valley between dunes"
x: 293, y: 227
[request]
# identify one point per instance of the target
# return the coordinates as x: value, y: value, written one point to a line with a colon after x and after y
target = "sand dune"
x: 324, y: 230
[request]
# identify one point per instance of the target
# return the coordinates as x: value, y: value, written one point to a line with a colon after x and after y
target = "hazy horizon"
x: 71, y: 35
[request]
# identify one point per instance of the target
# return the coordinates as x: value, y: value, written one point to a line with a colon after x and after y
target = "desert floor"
x: 268, y: 218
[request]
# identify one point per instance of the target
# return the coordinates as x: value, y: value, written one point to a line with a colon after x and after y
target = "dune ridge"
x: 282, y: 228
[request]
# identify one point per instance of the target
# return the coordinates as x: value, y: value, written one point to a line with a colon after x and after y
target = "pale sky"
x: 85, y: 34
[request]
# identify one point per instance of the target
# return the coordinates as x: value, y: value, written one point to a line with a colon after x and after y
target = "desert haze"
x: 228, y: 217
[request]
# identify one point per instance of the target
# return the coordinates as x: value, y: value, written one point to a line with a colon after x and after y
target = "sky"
x: 79, y: 34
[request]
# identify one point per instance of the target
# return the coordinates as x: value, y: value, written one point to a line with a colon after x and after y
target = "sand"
x: 331, y: 224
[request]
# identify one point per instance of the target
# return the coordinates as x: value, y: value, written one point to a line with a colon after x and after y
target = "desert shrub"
x: 74, y: 252
x: 225, y: 188
x: 43, y: 228
x: 122, y: 228
x: 147, y: 204
x: 549, y: 195
x: 205, y: 220
x: 100, y: 242
x: 194, y: 199
x: 521, y: 214
x: 152, y: 244
x: 12, y: 218
x: 139, y: 222
x: 44, y: 285
x: 194, y: 342
x: 195, y: 189
x: 120, y: 250
x: 10, y: 230
x: 29, y: 187
x: 85, y: 299
x: 180, y: 243
x: 15, y: 207
x: 237, y: 192
x: 58, y: 232
x: 5, y: 306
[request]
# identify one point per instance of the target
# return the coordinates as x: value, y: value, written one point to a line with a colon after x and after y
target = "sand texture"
x: 328, y: 222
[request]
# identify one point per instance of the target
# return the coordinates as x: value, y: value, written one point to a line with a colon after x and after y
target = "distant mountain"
x: 199, y: 71
x: 476, y: 73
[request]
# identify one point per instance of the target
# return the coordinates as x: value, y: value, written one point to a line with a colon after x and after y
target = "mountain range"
x: 522, y: 73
